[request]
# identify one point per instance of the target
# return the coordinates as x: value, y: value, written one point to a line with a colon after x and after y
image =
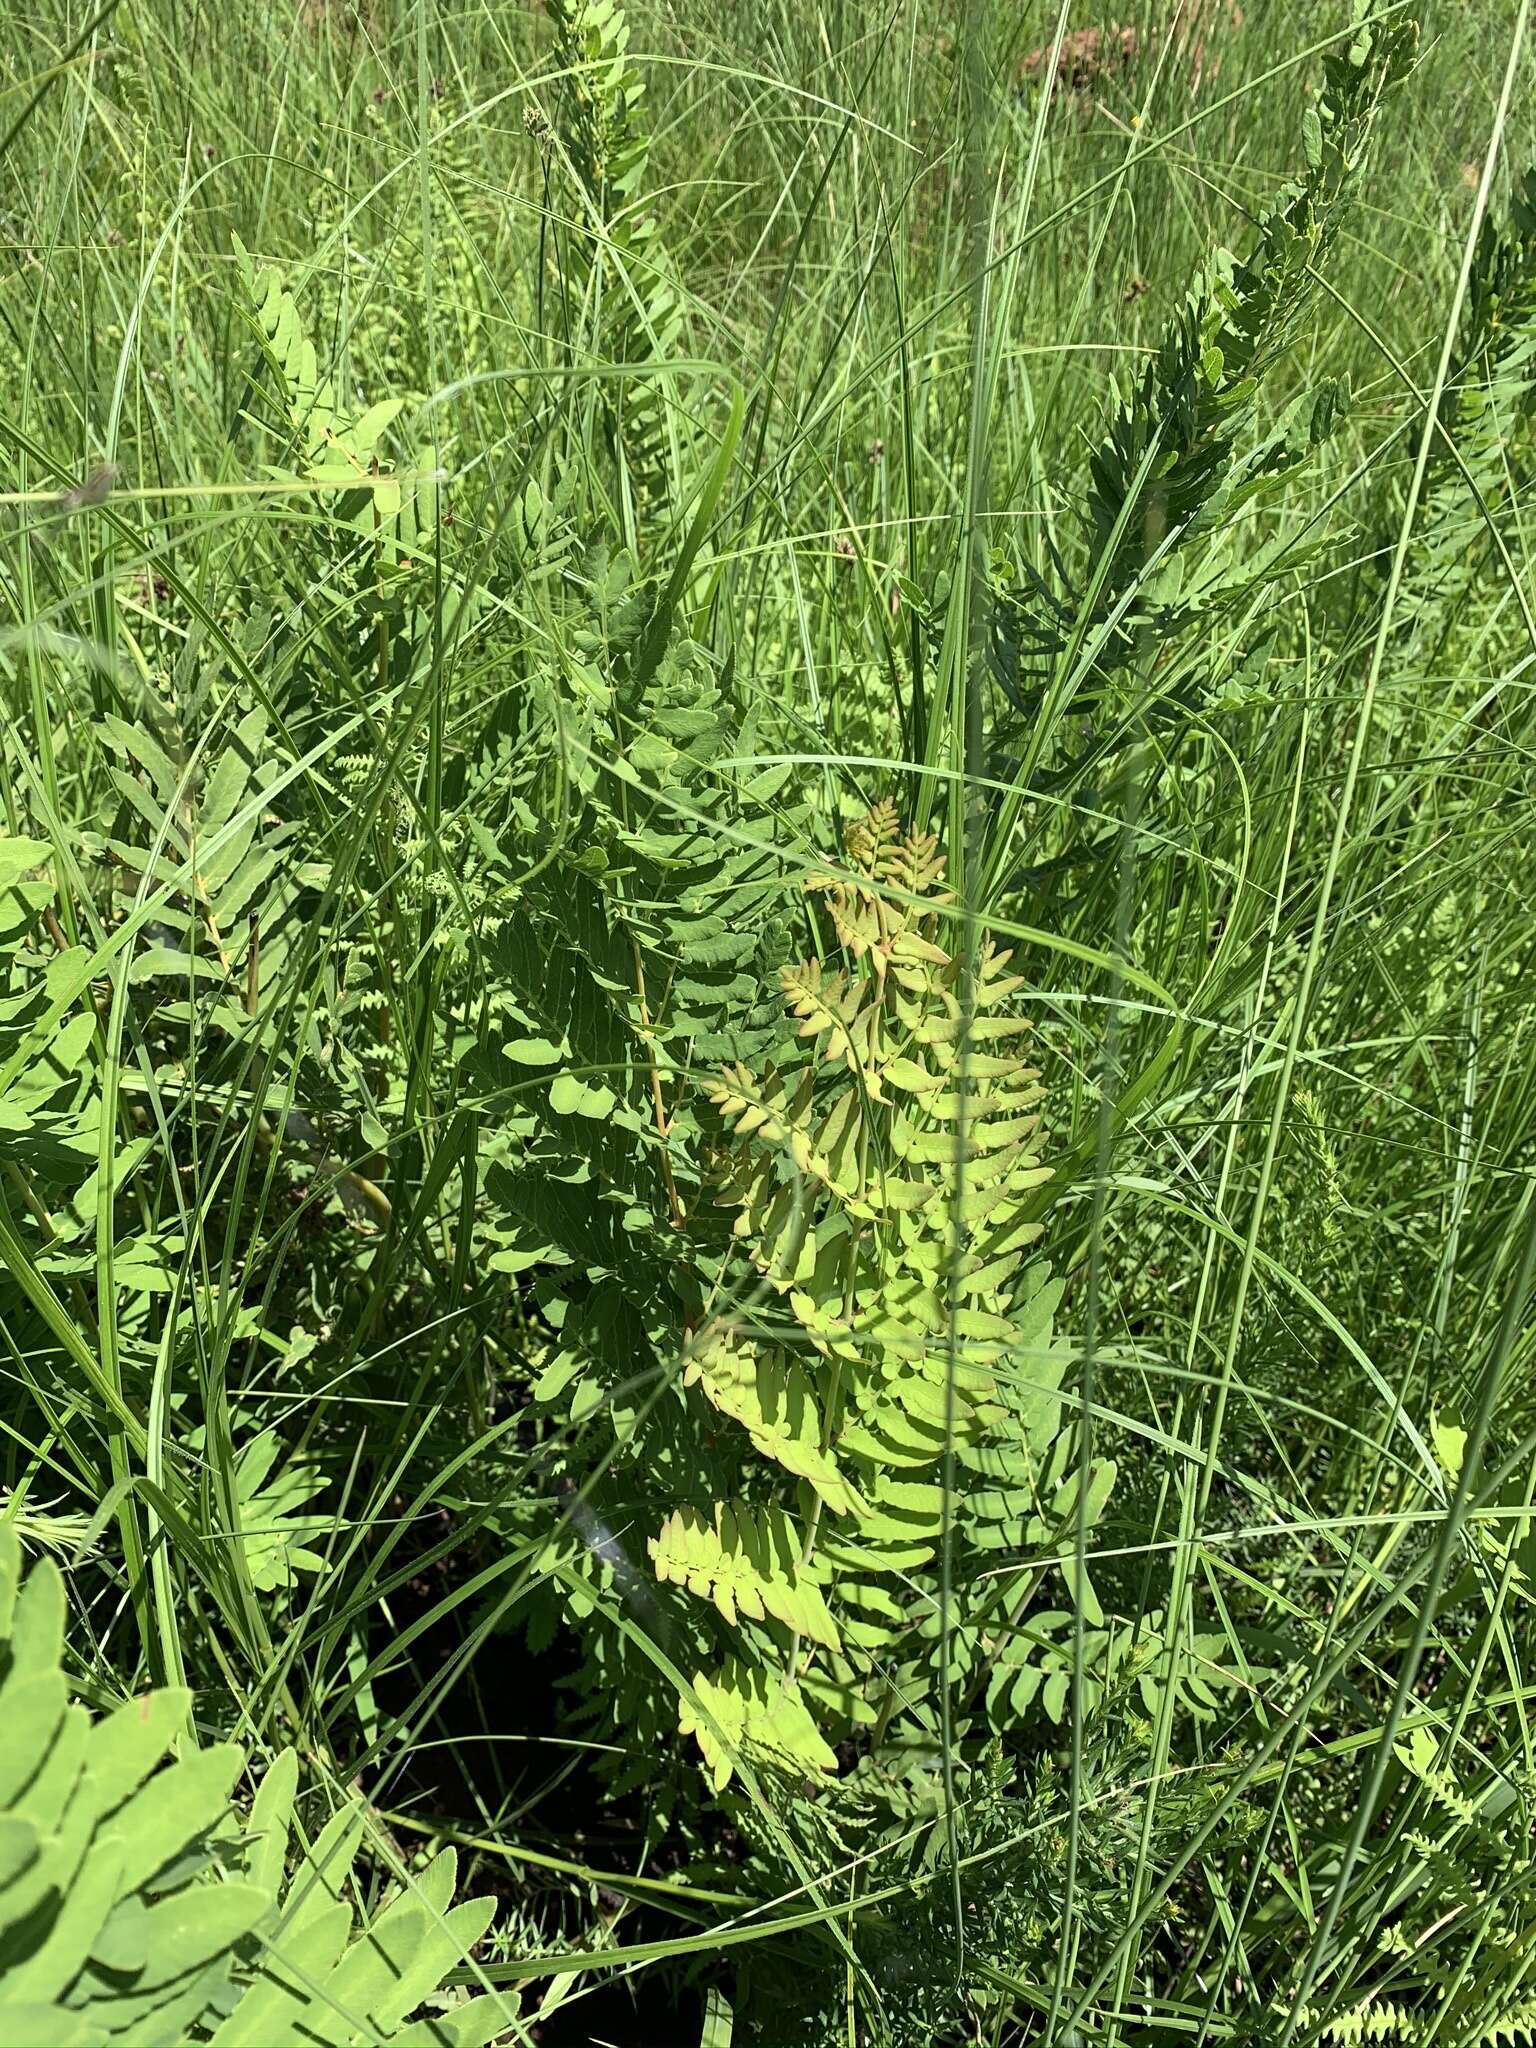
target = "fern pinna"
x: 880, y: 1314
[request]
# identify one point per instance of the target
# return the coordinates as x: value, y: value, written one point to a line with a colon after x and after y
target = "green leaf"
x: 1312, y: 138
x: 49, y: 1796
x: 46, y: 2026
x: 86, y: 1899
x: 197, y: 1924
x: 364, y: 433
x: 719, y: 2023
x: 295, y: 1961
x: 267, y: 1825
x: 20, y: 1839
x: 10, y: 1576
x: 19, y: 856
x: 123, y: 1749
x: 1450, y: 1441
x: 82, y: 1918
x: 471, y: 2025
x: 772, y: 1400
x: 32, y: 1708
x: 37, y: 1625
x: 402, y: 1956
x: 323, y: 1877
x: 174, y: 1808
x: 571, y: 1096
x: 21, y: 900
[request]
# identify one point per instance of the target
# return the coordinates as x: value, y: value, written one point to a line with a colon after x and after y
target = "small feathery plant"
x: 623, y: 301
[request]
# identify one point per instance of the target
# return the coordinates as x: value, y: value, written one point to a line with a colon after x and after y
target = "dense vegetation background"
x: 575, y: 1334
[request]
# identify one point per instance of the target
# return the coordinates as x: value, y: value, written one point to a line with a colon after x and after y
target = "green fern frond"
x: 1169, y: 466
x: 210, y: 837
x: 623, y: 260
x: 1483, y: 455
x: 332, y: 445
x: 1371, y: 2020
x: 843, y: 1172
x: 1184, y: 451
x: 1513, y: 2028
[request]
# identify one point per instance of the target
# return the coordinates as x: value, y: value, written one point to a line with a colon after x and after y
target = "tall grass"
x: 861, y: 347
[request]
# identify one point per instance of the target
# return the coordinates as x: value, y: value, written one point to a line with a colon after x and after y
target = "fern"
x: 772, y: 1399
x: 1481, y: 458
x: 865, y: 1336
x: 272, y: 1491
x: 1510, y: 2029
x: 1452, y: 1944
x: 833, y: 1163
x: 844, y: 1170
x: 1371, y: 2021
x: 380, y: 528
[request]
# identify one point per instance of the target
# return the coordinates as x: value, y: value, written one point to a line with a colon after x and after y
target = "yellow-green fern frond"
x: 772, y: 1400
x: 758, y: 1711
x: 747, y: 1561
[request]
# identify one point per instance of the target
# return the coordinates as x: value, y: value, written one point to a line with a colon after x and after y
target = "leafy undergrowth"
x: 765, y: 1072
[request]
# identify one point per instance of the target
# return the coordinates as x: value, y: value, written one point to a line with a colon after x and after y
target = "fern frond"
x: 772, y: 1400
x: 746, y: 1561
x: 757, y: 1710
x: 866, y: 840
x: 1168, y: 464
x: 1513, y: 2028
x: 882, y: 914
x: 1371, y: 2020
x: 1483, y: 455
x: 641, y: 305
x: 1184, y: 450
